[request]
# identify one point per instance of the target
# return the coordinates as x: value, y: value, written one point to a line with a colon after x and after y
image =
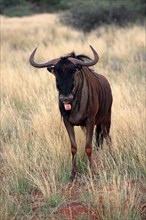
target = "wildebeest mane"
x: 79, y: 57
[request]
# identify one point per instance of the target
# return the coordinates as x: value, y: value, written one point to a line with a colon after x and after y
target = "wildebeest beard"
x: 64, y: 113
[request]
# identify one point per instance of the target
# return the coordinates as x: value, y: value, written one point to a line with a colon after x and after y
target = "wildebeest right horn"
x: 37, y: 65
x: 82, y: 63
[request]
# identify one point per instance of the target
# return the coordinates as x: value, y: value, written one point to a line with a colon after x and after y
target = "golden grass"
x: 35, y: 150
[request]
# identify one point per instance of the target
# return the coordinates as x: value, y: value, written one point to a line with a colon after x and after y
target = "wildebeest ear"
x: 50, y: 69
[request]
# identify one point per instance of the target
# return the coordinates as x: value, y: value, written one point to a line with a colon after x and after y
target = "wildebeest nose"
x: 66, y: 98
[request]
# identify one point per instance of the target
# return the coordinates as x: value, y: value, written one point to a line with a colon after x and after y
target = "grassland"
x: 35, y: 159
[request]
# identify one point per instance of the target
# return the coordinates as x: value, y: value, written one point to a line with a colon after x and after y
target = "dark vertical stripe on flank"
x: 80, y: 92
x: 88, y: 88
x: 79, y: 87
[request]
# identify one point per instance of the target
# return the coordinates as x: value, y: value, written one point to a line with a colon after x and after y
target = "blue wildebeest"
x: 85, y: 99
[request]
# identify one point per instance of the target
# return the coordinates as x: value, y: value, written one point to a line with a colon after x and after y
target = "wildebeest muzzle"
x: 66, y: 100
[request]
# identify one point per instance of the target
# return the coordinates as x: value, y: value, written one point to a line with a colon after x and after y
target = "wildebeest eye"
x: 50, y: 69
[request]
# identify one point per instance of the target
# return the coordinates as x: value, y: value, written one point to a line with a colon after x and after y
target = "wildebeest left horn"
x: 82, y: 63
x: 37, y: 65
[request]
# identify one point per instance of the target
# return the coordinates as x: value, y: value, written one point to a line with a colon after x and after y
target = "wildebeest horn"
x: 82, y: 63
x: 49, y: 63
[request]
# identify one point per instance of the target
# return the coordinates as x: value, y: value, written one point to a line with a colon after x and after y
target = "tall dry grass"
x: 35, y: 150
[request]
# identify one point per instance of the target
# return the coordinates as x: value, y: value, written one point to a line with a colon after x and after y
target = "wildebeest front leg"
x: 89, y: 135
x: 71, y: 133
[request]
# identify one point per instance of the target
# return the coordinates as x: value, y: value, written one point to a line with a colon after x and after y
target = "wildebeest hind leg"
x: 106, y: 129
x: 98, y: 136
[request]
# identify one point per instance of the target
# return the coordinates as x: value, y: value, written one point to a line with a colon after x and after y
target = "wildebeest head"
x: 64, y: 72
x: 64, y: 69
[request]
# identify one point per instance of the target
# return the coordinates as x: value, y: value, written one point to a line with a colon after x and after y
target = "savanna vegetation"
x: 35, y: 158
x: 80, y: 14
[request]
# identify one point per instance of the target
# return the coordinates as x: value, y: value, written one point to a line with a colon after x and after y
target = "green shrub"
x: 81, y: 14
x: 86, y: 15
x: 27, y: 7
x: 17, y: 8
